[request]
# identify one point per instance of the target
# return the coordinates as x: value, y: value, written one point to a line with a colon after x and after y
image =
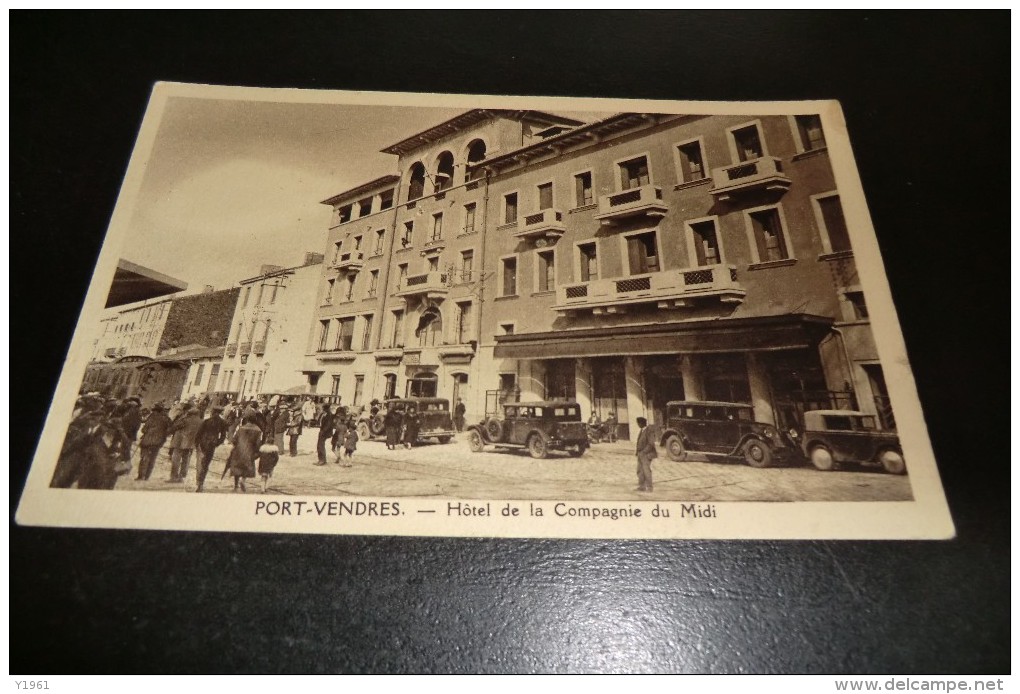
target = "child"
x: 269, y: 456
x: 350, y: 445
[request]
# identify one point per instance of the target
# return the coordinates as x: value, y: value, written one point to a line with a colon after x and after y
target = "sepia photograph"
x: 420, y: 312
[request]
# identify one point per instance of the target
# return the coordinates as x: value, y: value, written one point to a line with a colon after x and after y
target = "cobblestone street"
x: 605, y: 472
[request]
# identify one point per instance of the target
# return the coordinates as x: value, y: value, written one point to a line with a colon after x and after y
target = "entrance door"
x: 663, y: 383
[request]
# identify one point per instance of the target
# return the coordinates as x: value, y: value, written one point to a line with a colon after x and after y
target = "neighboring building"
x: 153, y: 328
x: 204, y: 366
x: 269, y: 330
x: 105, y: 345
x: 623, y: 263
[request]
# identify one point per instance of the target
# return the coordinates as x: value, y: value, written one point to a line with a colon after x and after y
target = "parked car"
x: 725, y: 429
x: 434, y: 416
x: 539, y: 427
x: 846, y: 437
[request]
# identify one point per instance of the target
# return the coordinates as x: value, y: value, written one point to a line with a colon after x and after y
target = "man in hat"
x: 211, y: 434
x: 645, y: 455
x: 70, y: 463
x: 154, y: 435
x: 185, y: 430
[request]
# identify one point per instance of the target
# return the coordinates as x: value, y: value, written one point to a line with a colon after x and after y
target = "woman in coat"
x: 241, y: 462
x: 412, y: 424
x: 393, y: 421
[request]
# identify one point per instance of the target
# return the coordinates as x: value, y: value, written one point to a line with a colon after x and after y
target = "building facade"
x: 269, y: 331
x: 622, y: 263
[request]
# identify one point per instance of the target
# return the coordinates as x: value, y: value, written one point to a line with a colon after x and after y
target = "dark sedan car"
x: 840, y: 437
x: 724, y: 429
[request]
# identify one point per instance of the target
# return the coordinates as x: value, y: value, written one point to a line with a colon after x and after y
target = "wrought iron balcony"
x: 352, y: 260
x: 432, y: 285
x: 668, y: 289
x: 543, y: 224
x: 641, y: 201
x: 231, y: 349
x: 764, y: 173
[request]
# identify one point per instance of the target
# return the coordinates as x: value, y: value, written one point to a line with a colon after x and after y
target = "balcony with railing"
x: 352, y: 261
x: 231, y: 349
x: 764, y: 173
x: 245, y: 348
x: 634, y: 202
x: 546, y: 223
x: 336, y: 353
x: 432, y: 285
x: 259, y: 347
x: 667, y: 289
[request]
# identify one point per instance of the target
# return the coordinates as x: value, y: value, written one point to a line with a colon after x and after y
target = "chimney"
x: 266, y: 269
x: 209, y: 289
x: 314, y: 258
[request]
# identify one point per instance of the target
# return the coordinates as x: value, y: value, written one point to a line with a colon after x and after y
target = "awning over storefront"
x: 766, y: 333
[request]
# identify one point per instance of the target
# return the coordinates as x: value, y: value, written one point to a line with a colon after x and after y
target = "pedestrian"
x: 241, y: 463
x: 412, y: 424
x: 458, y: 415
x: 130, y: 414
x: 646, y: 453
x: 295, y: 424
x: 308, y: 411
x: 325, y: 433
x: 71, y: 461
x: 350, y: 445
x: 269, y: 456
x: 106, y: 454
x: 339, y: 434
x: 184, y: 431
x: 393, y: 421
x: 211, y: 434
x: 154, y: 435
x: 281, y: 421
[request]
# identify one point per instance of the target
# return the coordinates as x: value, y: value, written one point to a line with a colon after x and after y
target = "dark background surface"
x: 926, y: 97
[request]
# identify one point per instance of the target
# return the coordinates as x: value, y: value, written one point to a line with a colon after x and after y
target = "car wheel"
x: 537, y: 446
x: 893, y: 462
x: 675, y: 448
x: 364, y: 433
x: 821, y: 458
x: 475, y: 442
x: 579, y: 451
x: 757, y: 454
x: 494, y: 428
x: 377, y: 425
x: 443, y: 439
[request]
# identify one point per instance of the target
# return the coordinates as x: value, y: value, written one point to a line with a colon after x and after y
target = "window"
x: 328, y: 298
x: 401, y: 275
x: 510, y: 208
x: 509, y: 276
x: 444, y: 172
x: 546, y: 279
x: 809, y: 129
x: 247, y: 294
x: 344, y: 214
x: 692, y: 161
x: 359, y: 390
x: 198, y: 374
x: 748, y: 143
x: 583, y: 189
x: 230, y: 380
x: 336, y: 252
x: 357, y: 243
x: 349, y: 288
x: 545, y: 196
x: 464, y: 322
x: 634, y: 173
x: 507, y: 328
x: 642, y: 253
x: 835, y: 237
x: 390, y: 389
x: 767, y: 234
x: 434, y: 263
x: 437, y: 227
x: 469, y: 218
x: 386, y: 200
x: 397, y: 329
x: 364, y: 207
x: 588, y: 261
x: 366, y: 338
x: 416, y: 182
x: 276, y: 289
x: 407, y: 237
x: 706, y: 243
x: 335, y: 389
x: 380, y: 238
x: 345, y: 334
x: 860, y: 309
x: 258, y: 298
x: 323, y: 335
x: 467, y: 261
x: 213, y: 373
x: 430, y: 327
x: 373, y: 284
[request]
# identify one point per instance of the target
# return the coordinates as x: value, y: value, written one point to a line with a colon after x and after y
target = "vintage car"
x: 725, y: 429
x: 844, y: 437
x: 434, y: 414
x: 539, y: 427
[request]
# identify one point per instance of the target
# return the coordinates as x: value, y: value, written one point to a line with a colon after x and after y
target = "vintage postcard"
x: 420, y: 314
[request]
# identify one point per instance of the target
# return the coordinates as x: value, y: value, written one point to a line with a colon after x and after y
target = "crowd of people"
x: 106, y: 434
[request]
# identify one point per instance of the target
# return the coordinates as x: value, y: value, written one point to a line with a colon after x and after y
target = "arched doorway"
x: 444, y: 171
x: 416, y: 181
x: 475, y: 154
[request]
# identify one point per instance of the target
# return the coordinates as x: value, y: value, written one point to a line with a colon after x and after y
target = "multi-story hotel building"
x: 269, y: 330
x: 621, y: 263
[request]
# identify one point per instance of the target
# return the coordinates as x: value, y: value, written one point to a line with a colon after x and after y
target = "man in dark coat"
x: 325, y: 434
x: 458, y: 415
x: 281, y: 420
x: 154, y: 435
x: 76, y: 442
x: 645, y: 455
x: 131, y: 418
x: 106, y: 445
x: 295, y: 424
x: 211, y: 433
x: 184, y: 431
x: 393, y: 421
